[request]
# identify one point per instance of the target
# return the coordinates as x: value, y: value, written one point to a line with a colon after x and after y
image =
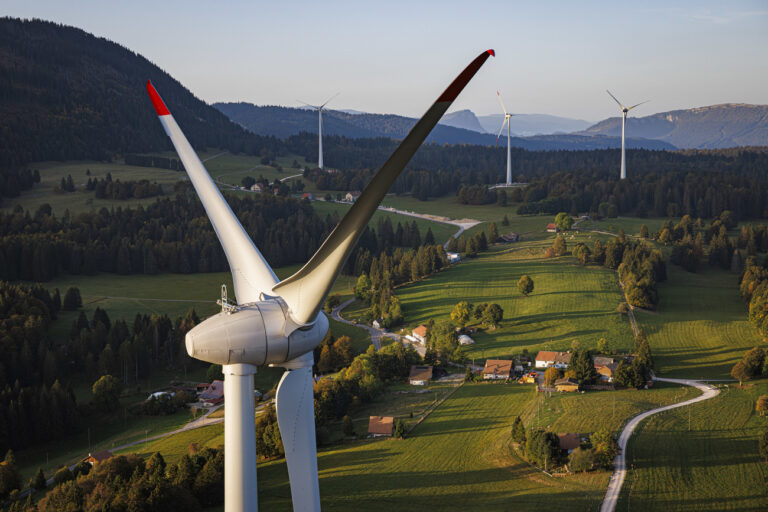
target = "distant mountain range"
x: 717, y: 126
x: 282, y: 122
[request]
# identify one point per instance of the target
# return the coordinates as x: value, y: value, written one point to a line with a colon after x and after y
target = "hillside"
x: 716, y: 126
x: 66, y: 94
x: 283, y: 122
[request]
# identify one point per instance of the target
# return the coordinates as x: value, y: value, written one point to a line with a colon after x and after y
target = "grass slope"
x: 569, y: 301
x: 714, y: 466
x: 701, y: 328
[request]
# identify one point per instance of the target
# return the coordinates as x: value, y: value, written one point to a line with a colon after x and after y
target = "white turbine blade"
x: 251, y: 273
x: 641, y: 103
x: 614, y: 98
x: 329, y: 100
x: 502, y: 128
x: 305, y: 291
x: 308, y: 105
x: 296, y: 419
x: 502, y: 103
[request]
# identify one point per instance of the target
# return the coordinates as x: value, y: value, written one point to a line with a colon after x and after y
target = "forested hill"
x: 716, y: 126
x: 66, y: 94
x: 284, y: 122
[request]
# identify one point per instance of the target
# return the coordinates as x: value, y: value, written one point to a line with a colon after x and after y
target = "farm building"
x: 545, y: 359
x: 352, y: 196
x: 420, y: 333
x: 529, y: 378
x: 605, y: 367
x: 497, y: 369
x: 307, y: 195
x: 453, y: 257
x: 509, y: 238
x: 465, y: 340
x: 199, y: 388
x: 377, y: 323
x: 256, y: 187
x: 380, y: 426
x: 568, y: 441
x: 552, y: 228
x: 96, y: 458
x: 157, y: 395
x: 214, y: 394
x: 420, y: 375
x: 567, y: 385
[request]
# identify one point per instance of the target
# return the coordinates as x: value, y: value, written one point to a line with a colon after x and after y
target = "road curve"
x: 620, y: 463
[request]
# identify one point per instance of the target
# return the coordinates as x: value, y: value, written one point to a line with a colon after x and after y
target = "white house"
x: 453, y: 257
x: 420, y: 333
x: 256, y: 187
x: 545, y: 359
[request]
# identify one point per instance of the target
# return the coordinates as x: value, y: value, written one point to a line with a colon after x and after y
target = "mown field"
x: 701, y: 328
x: 700, y: 458
x: 569, y: 301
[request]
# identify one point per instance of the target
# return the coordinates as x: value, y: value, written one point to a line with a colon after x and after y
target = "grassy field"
x: 569, y: 301
x: 701, y: 328
x: 630, y: 225
x: 711, y: 466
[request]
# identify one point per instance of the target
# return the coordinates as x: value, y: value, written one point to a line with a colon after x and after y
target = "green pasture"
x: 701, y: 457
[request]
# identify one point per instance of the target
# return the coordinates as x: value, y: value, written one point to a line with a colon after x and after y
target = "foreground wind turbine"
x: 319, y: 109
x: 507, y: 115
x: 625, y: 111
x: 280, y: 323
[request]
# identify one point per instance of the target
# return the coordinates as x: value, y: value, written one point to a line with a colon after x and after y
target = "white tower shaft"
x: 240, y: 490
x: 623, y: 150
x: 320, y: 139
x: 509, y: 157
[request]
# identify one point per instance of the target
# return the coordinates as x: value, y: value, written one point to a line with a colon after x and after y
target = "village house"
x: 256, y: 187
x: 567, y: 385
x: 351, y: 197
x: 569, y: 442
x: 96, y: 458
x: 465, y: 340
x: 420, y: 375
x: 214, y: 394
x: 199, y: 388
x: 420, y: 333
x: 453, y: 257
x: 560, y: 360
x: 497, y: 369
x: 552, y: 228
x: 381, y: 426
x: 605, y: 367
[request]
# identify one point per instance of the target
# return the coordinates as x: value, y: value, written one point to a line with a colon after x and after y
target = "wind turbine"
x: 279, y: 323
x: 625, y: 111
x: 507, y: 115
x: 319, y: 109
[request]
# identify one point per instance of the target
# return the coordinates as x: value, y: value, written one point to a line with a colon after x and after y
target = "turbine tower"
x: 507, y: 115
x: 279, y: 323
x: 625, y: 111
x: 319, y: 109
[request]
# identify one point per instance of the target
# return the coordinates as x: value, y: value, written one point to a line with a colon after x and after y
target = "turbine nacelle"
x: 260, y: 333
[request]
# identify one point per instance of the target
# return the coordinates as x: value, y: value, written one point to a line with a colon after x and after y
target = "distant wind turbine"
x: 319, y: 109
x: 507, y: 115
x: 625, y: 111
x: 279, y: 323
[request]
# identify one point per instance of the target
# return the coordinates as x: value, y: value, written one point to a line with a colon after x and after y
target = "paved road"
x: 620, y: 464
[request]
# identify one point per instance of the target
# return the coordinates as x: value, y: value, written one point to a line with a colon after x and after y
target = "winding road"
x: 620, y: 463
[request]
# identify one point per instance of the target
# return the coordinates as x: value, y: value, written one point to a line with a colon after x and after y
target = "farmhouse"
x: 352, y: 196
x: 308, y: 195
x: 420, y: 375
x: 509, y: 238
x: 256, y: 187
x: 567, y: 385
x: 199, y: 388
x: 465, y: 340
x: 569, y: 442
x: 453, y: 257
x: 545, y: 359
x: 420, y: 333
x: 96, y: 458
x: 552, y: 228
x: 380, y: 426
x: 214, y: 394
x: 496, y: 369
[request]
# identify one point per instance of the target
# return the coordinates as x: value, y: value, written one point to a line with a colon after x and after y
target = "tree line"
x: 105, y: 188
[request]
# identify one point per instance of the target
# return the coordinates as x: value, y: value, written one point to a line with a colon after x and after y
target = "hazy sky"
x: 397, y: 56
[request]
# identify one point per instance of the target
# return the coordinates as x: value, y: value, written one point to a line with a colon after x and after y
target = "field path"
x: 462, y: 224
x: 620, y: 463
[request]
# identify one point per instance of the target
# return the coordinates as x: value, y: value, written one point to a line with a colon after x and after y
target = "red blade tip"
x: 492, y: 52
x: 157, y: 101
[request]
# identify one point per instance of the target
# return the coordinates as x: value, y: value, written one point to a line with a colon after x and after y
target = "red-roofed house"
x: 496, y: 369
x: 420, y: 333
x: 214, y: 394
x: 379, y: 426
x: 552, y: 228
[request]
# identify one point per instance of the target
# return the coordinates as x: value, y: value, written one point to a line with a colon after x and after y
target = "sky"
x: 552, y: 57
